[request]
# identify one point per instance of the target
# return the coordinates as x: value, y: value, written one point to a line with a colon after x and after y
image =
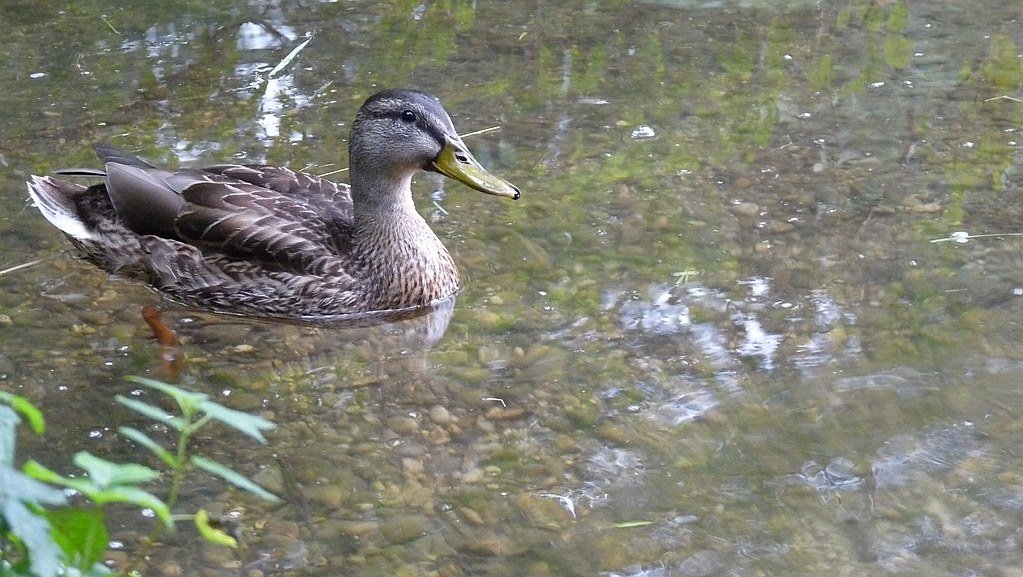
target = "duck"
x: 264, y: 241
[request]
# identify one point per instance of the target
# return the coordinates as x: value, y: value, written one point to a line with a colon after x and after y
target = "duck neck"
x: 402, y: 261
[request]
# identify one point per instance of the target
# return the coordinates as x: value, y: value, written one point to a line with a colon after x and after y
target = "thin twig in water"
x: 962, y: 237
x: 319, y: 91
x: 482, y: 131
x: 333, y: 172
x: 287, y: 59
x: 1003, y: 97
x: 23, y: 265
x: 109, y: 25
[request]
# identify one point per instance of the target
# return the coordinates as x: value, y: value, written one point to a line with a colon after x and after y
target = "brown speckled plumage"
x: 272, y: 242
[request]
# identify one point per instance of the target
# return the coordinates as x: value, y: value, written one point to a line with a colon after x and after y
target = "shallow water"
x: 732, y: 327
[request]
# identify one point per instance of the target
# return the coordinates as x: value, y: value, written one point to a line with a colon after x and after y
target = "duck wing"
x: 251, y: 222
x: 289, y: 182
x: 281, y: 218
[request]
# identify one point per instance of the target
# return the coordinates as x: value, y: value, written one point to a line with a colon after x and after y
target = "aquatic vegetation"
x: 43, y: 532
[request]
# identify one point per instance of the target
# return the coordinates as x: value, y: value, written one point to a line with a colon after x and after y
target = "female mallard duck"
x: 268, y: 241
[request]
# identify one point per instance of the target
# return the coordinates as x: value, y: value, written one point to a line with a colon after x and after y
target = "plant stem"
x: 177, y: 477
x: 184, y: 435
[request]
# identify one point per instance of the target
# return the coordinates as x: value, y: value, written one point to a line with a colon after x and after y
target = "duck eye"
x: 408, y: 117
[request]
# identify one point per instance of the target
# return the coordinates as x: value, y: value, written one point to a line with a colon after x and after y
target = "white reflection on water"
x: 758, y: 342
x: 608, y: 470
x: 661, y: 315
x: 686, y: 407
x: 906, y: 458
x: 728, y: 330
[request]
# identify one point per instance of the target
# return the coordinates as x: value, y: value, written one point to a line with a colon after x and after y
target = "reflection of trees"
x: 799, y: 117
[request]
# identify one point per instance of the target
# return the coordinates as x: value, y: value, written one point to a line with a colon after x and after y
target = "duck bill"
x: 455, y: 162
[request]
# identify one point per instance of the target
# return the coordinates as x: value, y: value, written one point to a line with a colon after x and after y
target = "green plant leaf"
x: 81, y: 534
x: 134, y: 496
x: 18, y: 486
x: 8, y: 435
x: 210, y: 533
x: 153, y: 412
x: 187, y: 400
x: 102, y: 495
x: 34, y: 531
x: 232, y: 476
x: 36, y: 470
x: 107, y: 473
x: 23, y: 406
x: 147, y: 442
x: 251, y: 425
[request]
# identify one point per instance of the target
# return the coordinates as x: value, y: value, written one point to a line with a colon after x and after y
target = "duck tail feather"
x: 56, y: 200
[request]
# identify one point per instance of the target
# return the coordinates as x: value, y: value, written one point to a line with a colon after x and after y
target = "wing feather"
x: 245, y: 219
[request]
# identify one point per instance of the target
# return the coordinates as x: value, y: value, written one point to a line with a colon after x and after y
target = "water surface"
x: 757, y: 312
